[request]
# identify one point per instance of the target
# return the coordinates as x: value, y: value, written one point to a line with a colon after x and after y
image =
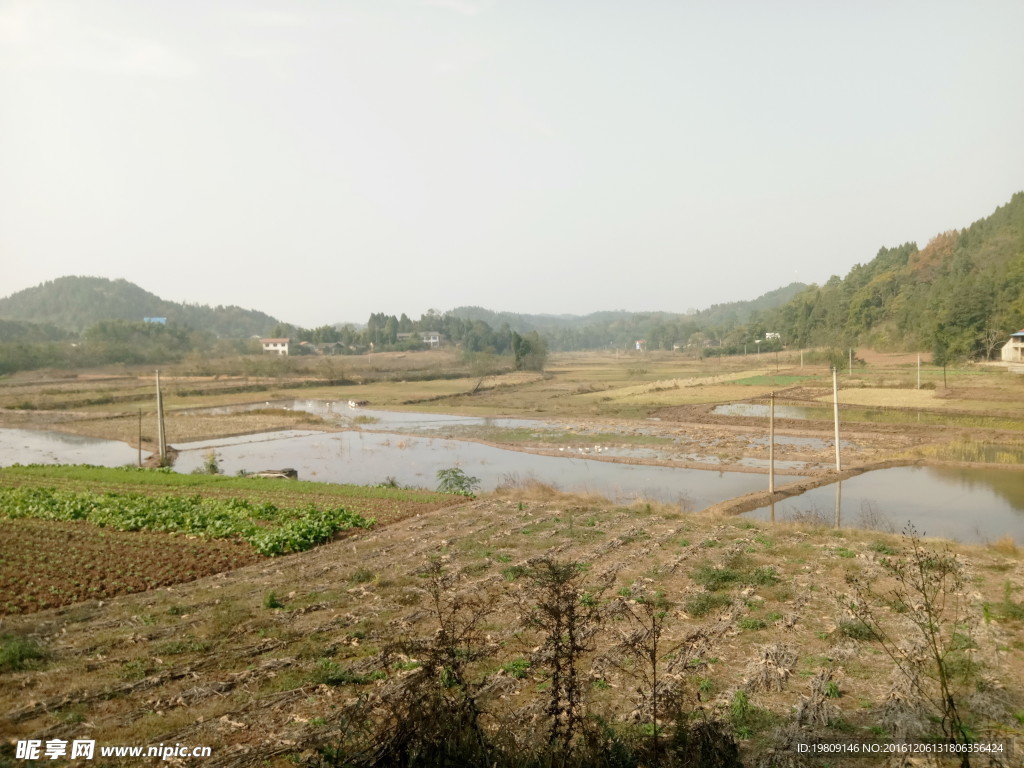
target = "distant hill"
x: 76, y: 303
x: 736, y: 312
x: 661, y: 330
x: 718, y: 314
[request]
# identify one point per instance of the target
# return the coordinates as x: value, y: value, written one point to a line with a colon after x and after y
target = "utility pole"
x: 835, y: 409
x: 771, y: 445
x: 918, y: 370
x: 160, y: 436
x: 140, y: 437
x: 850, y: 369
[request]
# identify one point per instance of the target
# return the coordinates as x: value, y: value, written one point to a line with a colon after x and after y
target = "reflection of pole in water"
x: 771, y: 445
x: 839, y: 502
x: 773, y: 512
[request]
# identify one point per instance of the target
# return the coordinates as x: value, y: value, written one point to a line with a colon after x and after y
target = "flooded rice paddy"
x: 375, y: 457
x: 965, y: 504
x: 409, y: 448
x: 579, y: 440
x: 368, y: 458
x: 37, y: 446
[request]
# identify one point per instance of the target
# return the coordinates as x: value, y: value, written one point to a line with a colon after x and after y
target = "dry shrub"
x: 529, y: 488
x: 644, y: 505
x: 905, y: 714
x: 771, y: 670
x: 872, y: 518
x: 813, y: 518
x: 783, y: 753
x: 816, y: 709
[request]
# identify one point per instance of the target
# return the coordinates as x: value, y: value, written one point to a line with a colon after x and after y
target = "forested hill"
x: 733, y: 312
x: 960, y: 296
x: 77, y: 303
x: 661, y: 330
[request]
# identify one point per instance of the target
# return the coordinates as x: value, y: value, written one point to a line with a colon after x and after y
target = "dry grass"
x: 1005, y: 545
x: 715, y: 389
x: 893, y: 398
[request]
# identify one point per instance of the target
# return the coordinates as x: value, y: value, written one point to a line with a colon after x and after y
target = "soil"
x: 213, y: 662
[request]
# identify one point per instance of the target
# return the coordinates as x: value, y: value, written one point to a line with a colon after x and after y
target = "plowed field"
x: 45, y: 563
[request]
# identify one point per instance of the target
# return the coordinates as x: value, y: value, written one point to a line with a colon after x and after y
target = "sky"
x: 320, y: 161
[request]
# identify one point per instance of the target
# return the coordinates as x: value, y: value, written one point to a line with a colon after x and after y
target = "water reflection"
x: 36, y: 446
x: 970, y: 505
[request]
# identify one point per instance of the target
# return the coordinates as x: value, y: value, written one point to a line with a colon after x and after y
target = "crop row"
x: 45, y: 563
x: 269, y: 530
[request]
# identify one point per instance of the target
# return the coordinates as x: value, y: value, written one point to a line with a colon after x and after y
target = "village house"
x: 1013, y: 350
x: 431, y: 338
x: 329, y: 348
x: 276, y: 346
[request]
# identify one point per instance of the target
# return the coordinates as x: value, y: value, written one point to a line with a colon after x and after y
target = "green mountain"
x: 960, y: 296
x: 77, y: 303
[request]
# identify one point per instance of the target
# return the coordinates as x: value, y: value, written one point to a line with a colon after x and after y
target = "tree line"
x: 30, y: 346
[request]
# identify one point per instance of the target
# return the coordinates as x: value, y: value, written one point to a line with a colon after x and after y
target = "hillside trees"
x: 959, y: 296
x: 121, y: 341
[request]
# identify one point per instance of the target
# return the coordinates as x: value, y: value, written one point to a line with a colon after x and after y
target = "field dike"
x: 751, y: 501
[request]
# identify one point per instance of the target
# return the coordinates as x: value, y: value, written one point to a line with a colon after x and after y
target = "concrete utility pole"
x: 835, y: 409
x: 771, y: 445
x: 918, y: 370
x: 160, y: 436
x: 850, y: 369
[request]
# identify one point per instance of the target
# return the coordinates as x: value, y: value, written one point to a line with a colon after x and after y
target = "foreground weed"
x: 18, y: 653
x: 930, y: 586
x: 328, y: 672
x: 567, y: 623
x: 705, y: 603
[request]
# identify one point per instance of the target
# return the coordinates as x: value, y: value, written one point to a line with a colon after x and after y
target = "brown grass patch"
x: 1005, y: 546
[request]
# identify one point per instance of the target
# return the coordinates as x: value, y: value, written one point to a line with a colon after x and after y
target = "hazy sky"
x: 323, y: 160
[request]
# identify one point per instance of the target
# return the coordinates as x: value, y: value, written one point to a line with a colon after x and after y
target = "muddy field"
x: 45, y: 563
x: 657, y: 396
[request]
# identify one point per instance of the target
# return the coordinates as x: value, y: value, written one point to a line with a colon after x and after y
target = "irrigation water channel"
x: 970, y: 505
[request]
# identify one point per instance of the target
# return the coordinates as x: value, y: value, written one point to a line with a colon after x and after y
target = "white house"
x: 1013, y: 350
x: 276, y: 346
x: 431, y: 338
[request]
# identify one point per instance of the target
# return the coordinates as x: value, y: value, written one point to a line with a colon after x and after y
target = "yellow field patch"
x: 710, y: 389
x: 902, y: 398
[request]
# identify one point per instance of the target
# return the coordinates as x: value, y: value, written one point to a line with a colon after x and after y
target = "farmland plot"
x: 61, y: 543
